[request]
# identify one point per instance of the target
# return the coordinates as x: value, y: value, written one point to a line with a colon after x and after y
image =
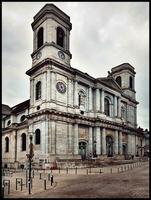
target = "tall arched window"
x: 37, y: 136
x: 23, y: 140
x: 60, y: 37
x: 38, y: 90
x: 131, y: 82
x: 6, y: 144
x: 118, y: 80
x: 40, y: 38
x: 107, y: 107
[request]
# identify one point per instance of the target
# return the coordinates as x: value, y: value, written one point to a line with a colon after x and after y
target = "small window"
x: 37, y: 136
x: 131, y: 82
x: 40, y: 38
x: 38, y: 90
x: 23, y: 117
x: 118, y: 80
x: 6, y: 144
x: 9, y: 122
x: 60, y: 37
x: 107, y: 107
x: 23, y: 140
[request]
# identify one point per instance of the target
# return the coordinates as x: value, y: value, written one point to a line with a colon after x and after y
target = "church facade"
x: 70, y: 114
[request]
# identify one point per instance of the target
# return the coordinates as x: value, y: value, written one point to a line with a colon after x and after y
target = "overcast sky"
x: 103, y: 35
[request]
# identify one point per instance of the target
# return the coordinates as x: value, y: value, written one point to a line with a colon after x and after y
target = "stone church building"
x: 70, y: 114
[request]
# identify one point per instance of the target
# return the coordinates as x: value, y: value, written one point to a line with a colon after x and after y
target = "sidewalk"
x: 60, y: 176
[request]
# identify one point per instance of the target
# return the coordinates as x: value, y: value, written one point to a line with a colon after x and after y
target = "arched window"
x: 40, y: 38
x: 38, y: 90
x: 60, y: 37
x: 107, y: 107
x: 9, y: 122
x: 37, y: 136
x: 118, y: 80
x: 23, y: 140
x: 6, y: 144
x: 131, y: 82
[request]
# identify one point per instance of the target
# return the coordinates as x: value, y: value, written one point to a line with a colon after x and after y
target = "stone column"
x: 129, y: 144
x: 120, y: 143
x: 90, y: 99
x: 103, y: 141
x: 90, y: 141
x: 76, y: 139
x: 102, y: 101
x: 76, y: 93
x: 97, y: 99
x: 116, y: 142
x: 115, y: 106
x: 53, y: 137
x: 119, y: 107
x: 42, y: 137
x: 48, y: 85
x: 136, y: 142
x: 98, y: 141
x: 31, y: 92
x: 53, y: 85
x: 70, y: 138
x: 46, y: 137
x: 44, y: 86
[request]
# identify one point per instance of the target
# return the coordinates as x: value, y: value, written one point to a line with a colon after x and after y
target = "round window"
x: 9, y: 122
x: 22, y: 118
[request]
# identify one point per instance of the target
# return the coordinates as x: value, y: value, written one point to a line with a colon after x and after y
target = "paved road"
x: 133, y: 183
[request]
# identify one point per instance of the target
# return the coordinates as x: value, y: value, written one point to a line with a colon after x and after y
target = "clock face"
x: 61, y: 55
x: 38, y: 56
x: 61, y: 87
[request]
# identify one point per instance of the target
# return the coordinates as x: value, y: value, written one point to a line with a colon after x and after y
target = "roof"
x: 122, y: 66
x: 6, y: 110
x: 21, y: 106
x: 110, y: 82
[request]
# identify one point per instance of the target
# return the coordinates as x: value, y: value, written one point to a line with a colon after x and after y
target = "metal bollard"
x: 44, y: 184
x: 33, y: 174
x: 40, y: 176
x: 59, y: 170
x: 67, y: 170
x: 100, y: 171
x: 2, y: 191
x: 90, y: 170
x: 48, y: 177
x: 121, y: 169
x: 26, y: 178
x: 51, y: 179
x: 76, y: 170
x: 87, y: 171
x: 111, y: 170
x: 117, y: 170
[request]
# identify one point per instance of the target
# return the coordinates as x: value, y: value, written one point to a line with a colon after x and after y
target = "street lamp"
x: 30, y: 156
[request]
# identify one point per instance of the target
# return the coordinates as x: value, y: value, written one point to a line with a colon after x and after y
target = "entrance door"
x: 82, y: 150
x: 125, y: 151
x: 109, y: 146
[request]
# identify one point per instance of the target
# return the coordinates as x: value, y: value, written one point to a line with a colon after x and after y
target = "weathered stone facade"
x: 77, y: 115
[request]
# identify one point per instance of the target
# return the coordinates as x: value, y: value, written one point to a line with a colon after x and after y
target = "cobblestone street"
x: 126, y: 181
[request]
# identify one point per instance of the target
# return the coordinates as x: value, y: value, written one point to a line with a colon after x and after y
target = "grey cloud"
x: 104, y: 34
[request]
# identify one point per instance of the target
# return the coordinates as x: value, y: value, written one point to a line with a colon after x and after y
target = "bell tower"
x: 51, y: 35
x: 124, y: 75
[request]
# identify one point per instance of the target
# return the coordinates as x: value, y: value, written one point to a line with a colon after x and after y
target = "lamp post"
x: 30, y: 156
